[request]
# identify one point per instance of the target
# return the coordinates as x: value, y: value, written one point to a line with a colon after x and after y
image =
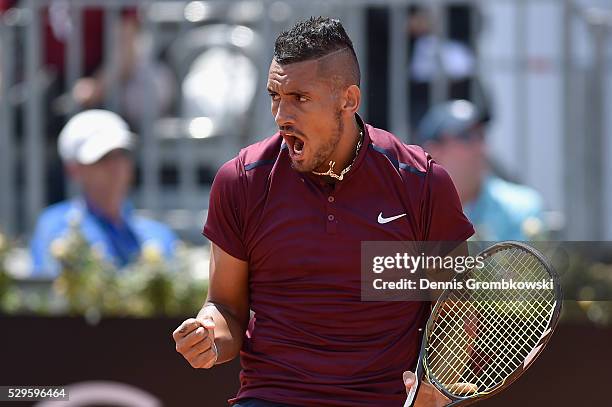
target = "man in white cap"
x: 95, y: 146
x: 453, y: 132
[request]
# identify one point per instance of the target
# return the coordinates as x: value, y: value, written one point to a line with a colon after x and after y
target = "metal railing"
x: 167, y: 139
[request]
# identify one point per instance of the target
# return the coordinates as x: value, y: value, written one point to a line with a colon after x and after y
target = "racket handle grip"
x: 412, y: 393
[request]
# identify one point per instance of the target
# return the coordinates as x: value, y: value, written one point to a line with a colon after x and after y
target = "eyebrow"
x: 292, y: 93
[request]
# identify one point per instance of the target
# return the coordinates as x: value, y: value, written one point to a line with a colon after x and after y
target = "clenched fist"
x: 195, y: 341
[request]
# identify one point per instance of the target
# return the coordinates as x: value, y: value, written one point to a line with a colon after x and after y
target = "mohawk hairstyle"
x: 315, y: 38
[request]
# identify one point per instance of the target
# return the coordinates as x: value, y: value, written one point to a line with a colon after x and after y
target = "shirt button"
x: 330, y: 218
x: 330, y: 199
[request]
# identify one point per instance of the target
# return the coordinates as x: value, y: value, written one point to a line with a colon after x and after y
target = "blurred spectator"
x: 457, y: 59
x: 453, y: 55
x: 427, y: 53
x: 89, y: 90
x: 454, y: 134
x: 58, y: 27
x: 95, y: 147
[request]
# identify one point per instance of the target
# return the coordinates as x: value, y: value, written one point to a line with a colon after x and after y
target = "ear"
x: 352, y: 100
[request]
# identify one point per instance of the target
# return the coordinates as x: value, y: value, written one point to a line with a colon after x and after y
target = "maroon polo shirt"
x: 312, y: 341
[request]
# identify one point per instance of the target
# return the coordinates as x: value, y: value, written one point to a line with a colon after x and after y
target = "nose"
x: 283, y: 116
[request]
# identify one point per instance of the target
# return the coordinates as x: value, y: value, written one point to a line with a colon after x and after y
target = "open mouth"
x: 296, y: 145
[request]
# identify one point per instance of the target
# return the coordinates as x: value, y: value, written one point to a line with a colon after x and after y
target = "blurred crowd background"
x: 188, y: 79
x: 116, y: 114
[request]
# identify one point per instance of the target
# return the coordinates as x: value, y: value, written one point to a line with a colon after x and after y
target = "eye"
x: 301, y: 98
x: 274, y: 96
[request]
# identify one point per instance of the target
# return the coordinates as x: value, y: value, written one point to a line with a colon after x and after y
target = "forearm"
x: 229, y: 331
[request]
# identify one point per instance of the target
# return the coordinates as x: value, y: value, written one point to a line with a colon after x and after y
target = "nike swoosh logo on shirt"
x: 382, y: 220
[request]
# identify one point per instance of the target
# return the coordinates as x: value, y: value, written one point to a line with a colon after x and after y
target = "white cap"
x: 90, y: 135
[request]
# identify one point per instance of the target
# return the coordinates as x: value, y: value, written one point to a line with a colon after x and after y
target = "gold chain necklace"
x: 340, y: 177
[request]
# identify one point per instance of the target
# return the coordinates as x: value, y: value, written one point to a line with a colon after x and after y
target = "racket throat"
x: 418, y: 374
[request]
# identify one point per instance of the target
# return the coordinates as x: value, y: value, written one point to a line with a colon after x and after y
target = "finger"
x: 207, y: 322
x: 462, y: 389
x: 204, y: 360
x: 192, y: 353
x: 185, y: 328
x: 193, y: 338
x: 409, y: 379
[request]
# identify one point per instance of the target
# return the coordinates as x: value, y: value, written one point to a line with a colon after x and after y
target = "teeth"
x: 298, y: 146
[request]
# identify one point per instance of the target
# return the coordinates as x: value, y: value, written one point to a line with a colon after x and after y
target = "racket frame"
x: 422, y: 372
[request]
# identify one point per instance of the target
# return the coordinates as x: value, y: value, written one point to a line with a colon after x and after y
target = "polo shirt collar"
x: 356, y: 164
x: 127, y: 209
x: 365, y: 145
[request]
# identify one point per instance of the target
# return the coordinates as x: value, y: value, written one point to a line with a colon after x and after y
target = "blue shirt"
x: 501, y: 210
x: 120, y: 244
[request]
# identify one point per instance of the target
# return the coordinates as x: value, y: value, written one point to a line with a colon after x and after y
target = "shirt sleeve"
x: 443, y: 217
x: 224, y: 224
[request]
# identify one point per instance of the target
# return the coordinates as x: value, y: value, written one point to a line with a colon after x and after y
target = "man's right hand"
x: 195, y: 341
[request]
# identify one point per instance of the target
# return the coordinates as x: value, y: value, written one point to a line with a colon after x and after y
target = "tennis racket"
x: 479, y: 340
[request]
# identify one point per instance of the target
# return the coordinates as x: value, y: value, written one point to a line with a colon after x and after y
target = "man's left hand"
x: 428, y: 395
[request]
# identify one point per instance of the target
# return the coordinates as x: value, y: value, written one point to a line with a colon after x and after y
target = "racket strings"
x: 495, y: 329
x: 498, y: 330
x: 481, y: 354
x: 482, y: 336
x: 531, y: 334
